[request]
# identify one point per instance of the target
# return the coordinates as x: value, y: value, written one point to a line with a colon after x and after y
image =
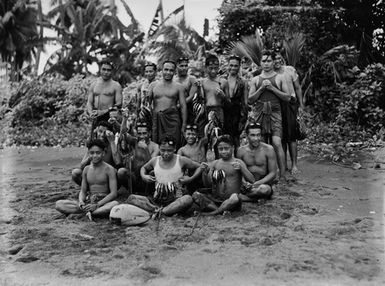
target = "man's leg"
x: 105, y: 209
x: 232, y: 203
x: 260, y: 192
x: 204, y: 203
x: 68, y: 207
x: 179, y: 205
x: 77, y: 176
x: 280, y: 155
x: 141, y: 202
x: 294, y: 157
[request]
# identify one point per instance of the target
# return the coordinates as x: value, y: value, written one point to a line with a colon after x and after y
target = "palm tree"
x: 18, y: 34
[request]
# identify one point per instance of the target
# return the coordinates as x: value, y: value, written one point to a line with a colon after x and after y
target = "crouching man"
x: 167, y: 172
x: 225, y: 178
x: 98, y: 187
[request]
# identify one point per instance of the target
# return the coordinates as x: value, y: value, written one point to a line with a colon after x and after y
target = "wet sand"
x: 325, y: 229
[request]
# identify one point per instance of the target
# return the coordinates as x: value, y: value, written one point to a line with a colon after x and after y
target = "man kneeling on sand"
x: 168, y: 175
x: 261, y: 161
x: 99, y: 186
x: 225, y: 178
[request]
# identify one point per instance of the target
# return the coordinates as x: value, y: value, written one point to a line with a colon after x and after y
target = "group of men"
x: 165, y: 163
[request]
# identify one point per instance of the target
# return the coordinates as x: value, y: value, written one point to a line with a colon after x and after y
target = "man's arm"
x: 118, y: 95
x: 207, y: 176
x: 246, y: 174
x: 90, y: 99
x: 183, y: 106
x: 113, y: 185
x: 298, y: 92
x: 282, y: 84
x: 180, y: 151
x: 255, y: 93
x: 271, y: 167
x: 155, y: 151
x: 83, y: 188
x: 150, y: 94
x: 187, y: 163
x: 85, y: 161
x: 245, y: 93
x: 190, y: 95
x: 146, y: 168
x: 114, y: 149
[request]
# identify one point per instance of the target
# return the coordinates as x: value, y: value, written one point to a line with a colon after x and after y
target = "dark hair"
x: 168, y: 139
x: 169, y: 61
x: 252, y: 126
x: 105, y: 124
x: 149, y: 64
x: 268, y: 53
x: 96, y: 142
x: 211, y: 58
x: 107, y: 61
x: 235, y: 57
x: 226, y: 139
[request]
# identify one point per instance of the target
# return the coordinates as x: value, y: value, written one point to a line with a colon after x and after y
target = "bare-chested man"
x: 187, y: 81
x: 214, y: 89
x: 225, y: 178
x: 236, y: 108
x: 104, y: 93
x: 142, y: 90
x: 99, y: 186
x: 164, y: 95
x: 265, y: 96
x: 261, y: 161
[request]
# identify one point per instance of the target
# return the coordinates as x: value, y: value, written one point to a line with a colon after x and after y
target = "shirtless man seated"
x: 102, y: 131
x: 261, y: 161
x: 99, y: 186
x: 225, y: 178
x: 169, y: 180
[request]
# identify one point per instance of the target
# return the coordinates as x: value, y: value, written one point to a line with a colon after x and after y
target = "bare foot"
x: 295, y: 171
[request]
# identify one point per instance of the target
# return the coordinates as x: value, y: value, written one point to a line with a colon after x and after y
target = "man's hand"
x: 110, y: 136
x: 236, y: 165
x: 185, y: 180
x: 90, y: 207
x: 205, y: 167
x: 142, y: 144
x: 219, y: 92
x: 149, y: 178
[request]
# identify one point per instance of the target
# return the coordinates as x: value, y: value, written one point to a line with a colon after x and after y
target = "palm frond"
x: 293, y: 46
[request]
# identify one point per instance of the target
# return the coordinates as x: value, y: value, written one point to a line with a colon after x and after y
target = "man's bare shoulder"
x: 116, y: 84
x: 242, y: 150
x: 267, y: 147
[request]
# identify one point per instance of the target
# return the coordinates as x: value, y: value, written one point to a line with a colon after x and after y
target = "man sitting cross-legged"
x: 99, y: 185
x: 225, y: 178
x: 261, y: 161
x: 169, y: 180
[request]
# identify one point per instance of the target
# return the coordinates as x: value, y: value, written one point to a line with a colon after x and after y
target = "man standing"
x: 236, y: 108
x: 187, y: 81
x: 261, y: 161
x: 164, y: 96
x: 150, y: 75
x: 265, y: 96
x: 104, y: 93
x: 290, y: 110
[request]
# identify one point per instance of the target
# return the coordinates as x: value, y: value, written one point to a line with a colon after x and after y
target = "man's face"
x: 142, y: 134
x: 100, y: 132
x: 183, y: 68
x: 267, y: 63
x: 254, y: 137
x: 168, y: 71
x: 213, y: 69
x: 106, y: 71
x: 166, y: 151
x: 278, y: 62
x: 149, y: 73
x: 191, y: 136
x: 96, y: 153
x: 225, y: 150
x: 234, y: 67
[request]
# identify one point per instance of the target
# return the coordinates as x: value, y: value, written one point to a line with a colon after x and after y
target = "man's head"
x: 234, y: 65
x: 182, y: 66
x: 167, y: 147
x: 191, y: 134
x: 212, y: 65
x: 142, y: 131
x: 101, y: 128
x: 96, y: 150
x: 225, y: 146
x: 254, y: 134
x: 279, y: 60
x: 267, y: 60
x: 106, y: 69
x: 168, y: 70
x: 150, y: 71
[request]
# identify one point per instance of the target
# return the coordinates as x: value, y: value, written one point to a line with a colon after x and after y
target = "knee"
x: 60, y: 206
x: 234, y: 198
x: 187, y: 200
x: 277, y: 142
x: 76, y: 175
x: 122, y: 173
x: 196, y: 195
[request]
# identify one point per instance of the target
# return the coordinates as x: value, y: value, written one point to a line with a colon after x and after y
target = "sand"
x: 325, y: 229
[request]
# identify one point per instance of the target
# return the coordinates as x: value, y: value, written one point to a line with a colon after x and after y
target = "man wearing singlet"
x: 265, y: 96
x: 142, y: 90
x: 104, y: 93
x: 168, y: 169
x: 187, y: 81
